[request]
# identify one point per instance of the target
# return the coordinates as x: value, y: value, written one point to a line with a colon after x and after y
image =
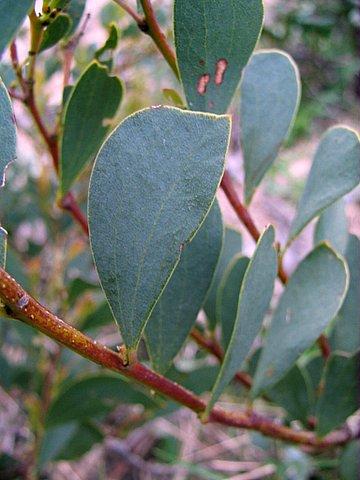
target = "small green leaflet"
x: 332, y: 227
x: 7, y: 132
x: 3, y: 247
x: 176, y: 311
x: 228, y: 297
x: 270, y: 96
x: 334, y: 172
x: 92, y: 104
x: 254, y: 299
x: 214, y: 40
x: 312, y: 298
x: 340, y: 395
x: 55, y: 32
x: 346, y: 335
x: 152, y: 185
x: 12, y: 14
x: 232, y: 244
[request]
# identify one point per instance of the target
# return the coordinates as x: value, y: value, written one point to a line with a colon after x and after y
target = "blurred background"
x: 49, y: 255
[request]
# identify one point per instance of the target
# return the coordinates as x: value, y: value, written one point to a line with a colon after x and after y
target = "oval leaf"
x: 311, y: 300
x: 12, y: 15
x: 340, y: 396
x: 176, y: 311
x: 152, y: 185
x: 334, y: 172
x: 228, y: 299
x: 332, y: 227
x: 214, y: 41
x: 232, y: 244
x: 270, y: 95
x: 7, y: 132
x: 254, y: 299
x: 93, y: 102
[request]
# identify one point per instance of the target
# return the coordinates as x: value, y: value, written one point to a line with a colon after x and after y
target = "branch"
x: 133, y: 13
x: 152, y: 28
x: 213, y: 347
x: 18, y: 304
x: 68, y: 203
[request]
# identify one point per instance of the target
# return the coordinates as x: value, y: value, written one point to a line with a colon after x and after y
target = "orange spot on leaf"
x: 221, y: 67
x: 202, y: 83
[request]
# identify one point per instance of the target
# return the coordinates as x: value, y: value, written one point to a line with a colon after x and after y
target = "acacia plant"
x: 155, y: 231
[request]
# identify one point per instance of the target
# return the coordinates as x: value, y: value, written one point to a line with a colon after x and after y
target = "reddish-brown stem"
x: 67, y: 203
x: 138, y: 18
x: 18, y: 304
x: 152, y: 28
x: 213, y: 347
x: 241, y: 211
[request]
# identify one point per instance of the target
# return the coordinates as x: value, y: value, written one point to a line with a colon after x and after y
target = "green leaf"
x: 232, y: 245
x: 84, y: 437
x: 93, y: 102
x: 152, y: 185
x: 12, y: 15
x: 228, y: 298
x: 346, y: 335
x: 7, y: 131
x: 270, y: 96
x: 177, y: 309
x: 92, y: 396
x: 3, y: 247
x: 55, y: 32
x: 312, y: 298
x: 254, y: 299
x: 53, y: 442
x: 350, y: 461
x: 332, y: 227
x: 110, y: 44
x: 292, y: 393
x: 214, y: 41
x: 334, y: 172
x: 339, y: 398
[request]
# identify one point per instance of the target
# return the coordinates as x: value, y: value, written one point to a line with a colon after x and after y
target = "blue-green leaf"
x: 12, y: 14
x: 7, y: 132
x: 214, y: 40
x: 232, y: 244
x: 332, y: 227
x: 270, y: 95
x: 254, y: 299
x: 176, y: 311
x: 92, y: 103
x: 334, y: 172
x: 340, y: 396
x: 346, y: 335
x: 312, y: 298
x: 152, y: 185
x: 228, y: 298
